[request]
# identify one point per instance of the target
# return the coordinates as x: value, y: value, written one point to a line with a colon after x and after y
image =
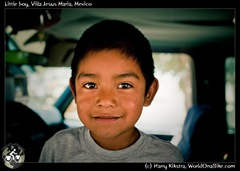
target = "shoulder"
x: 68, y: 134
x: 68, y: 131
x: 158, y: 142
x: 155, y: 141
x: 164, y: 148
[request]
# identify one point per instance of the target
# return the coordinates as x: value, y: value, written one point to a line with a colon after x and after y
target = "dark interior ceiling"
x: 167, y: 28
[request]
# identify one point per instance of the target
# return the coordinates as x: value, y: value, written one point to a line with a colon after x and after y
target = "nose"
x: 106, y: 98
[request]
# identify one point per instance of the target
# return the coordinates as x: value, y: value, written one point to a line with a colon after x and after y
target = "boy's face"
x: 110, y: 93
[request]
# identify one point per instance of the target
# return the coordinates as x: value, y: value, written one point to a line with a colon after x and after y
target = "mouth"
x: 106, y: 118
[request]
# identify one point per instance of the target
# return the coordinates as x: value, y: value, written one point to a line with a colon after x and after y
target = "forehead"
x: 108, y: 58
x: 109, y: 62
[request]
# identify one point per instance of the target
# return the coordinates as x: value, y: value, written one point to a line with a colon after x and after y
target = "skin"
x: 110, y: 97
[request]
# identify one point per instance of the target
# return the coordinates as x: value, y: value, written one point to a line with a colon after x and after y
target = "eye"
x: 90, y: 86
x: 125, y: 86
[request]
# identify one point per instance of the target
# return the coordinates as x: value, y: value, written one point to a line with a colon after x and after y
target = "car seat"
x: 26, y: 128
x: 22, y: 125
x: 202, y: 135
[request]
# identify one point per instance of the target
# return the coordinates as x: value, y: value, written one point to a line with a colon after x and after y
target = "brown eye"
x: 90, y: 86
x: 125, y: 86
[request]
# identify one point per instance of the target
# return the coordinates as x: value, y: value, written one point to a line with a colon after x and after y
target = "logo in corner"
x: 13, y: 156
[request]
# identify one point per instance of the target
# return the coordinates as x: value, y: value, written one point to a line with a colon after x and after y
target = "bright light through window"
x: 230, y: 93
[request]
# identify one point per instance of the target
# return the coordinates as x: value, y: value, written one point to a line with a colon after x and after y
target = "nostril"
x: 106, y: 99
x: 105, y: 105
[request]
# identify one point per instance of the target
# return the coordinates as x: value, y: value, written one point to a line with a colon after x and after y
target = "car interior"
x: 194, y: 55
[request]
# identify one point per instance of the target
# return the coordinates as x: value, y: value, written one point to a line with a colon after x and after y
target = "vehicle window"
x: 44, y: 85
x: 230, y: 93
x: 167, y: 112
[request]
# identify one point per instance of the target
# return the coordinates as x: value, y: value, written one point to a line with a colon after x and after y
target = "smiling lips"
x: 106, y: 118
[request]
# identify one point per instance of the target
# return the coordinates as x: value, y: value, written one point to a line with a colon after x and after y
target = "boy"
x: 112, y: 79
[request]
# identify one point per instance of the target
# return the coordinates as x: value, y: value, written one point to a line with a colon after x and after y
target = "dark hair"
x: 114, y: 34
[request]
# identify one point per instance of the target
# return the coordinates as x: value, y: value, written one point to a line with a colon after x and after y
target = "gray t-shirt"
x: 77, y: 145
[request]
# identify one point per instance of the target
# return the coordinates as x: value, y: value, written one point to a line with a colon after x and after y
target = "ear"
x: 151, y: 93
x: 72, y: 87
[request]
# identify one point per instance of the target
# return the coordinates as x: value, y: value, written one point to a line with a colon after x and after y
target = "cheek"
x: 82, y: 99
x: 133, y: 104
x: 84, y: 104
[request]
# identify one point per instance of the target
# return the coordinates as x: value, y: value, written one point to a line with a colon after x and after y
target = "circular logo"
x: 13, y: 156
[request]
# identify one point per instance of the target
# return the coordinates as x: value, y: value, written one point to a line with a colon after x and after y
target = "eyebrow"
x: 128, y: 74
x: 123, y: 75
x: 86, y: 75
